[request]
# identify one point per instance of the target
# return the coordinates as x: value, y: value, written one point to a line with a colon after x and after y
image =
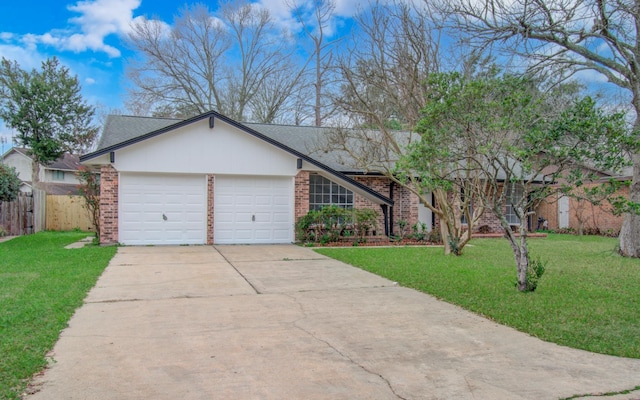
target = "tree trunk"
x: 630, y: 231
x: 520, y: 251
x: 35, y: 171
x: 444, y: 233
x: 318, y: 103
x: 522, y: 259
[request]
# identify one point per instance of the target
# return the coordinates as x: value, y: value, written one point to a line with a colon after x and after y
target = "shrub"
x: 364, y: 221
x: 9, y: 183
x: 330, y: 223
x: 534, y: 273
x: 434, y: 236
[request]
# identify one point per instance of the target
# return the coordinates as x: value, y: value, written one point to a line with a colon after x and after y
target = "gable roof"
x: 123, y: 131
x: 67, y: 162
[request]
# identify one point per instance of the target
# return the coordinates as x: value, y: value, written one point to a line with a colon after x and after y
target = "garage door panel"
x: 262, y: 209
x: 162, y: 209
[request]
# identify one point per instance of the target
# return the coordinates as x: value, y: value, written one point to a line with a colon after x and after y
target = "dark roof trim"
x: 248, y: 130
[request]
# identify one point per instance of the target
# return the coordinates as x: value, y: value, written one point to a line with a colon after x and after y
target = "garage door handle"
x: 253, y: 218
x: 164, y: 217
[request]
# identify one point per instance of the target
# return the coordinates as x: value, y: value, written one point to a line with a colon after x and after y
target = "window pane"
x: 325, y: 192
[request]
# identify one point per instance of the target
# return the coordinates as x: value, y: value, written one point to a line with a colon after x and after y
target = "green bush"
x: 9, y: 183
x: 434, y: 236
x: 364, y: 221
x: 331, y: 223
x: 534, y: 273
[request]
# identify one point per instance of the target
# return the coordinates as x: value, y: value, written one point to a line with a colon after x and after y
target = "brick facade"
x: 405, y: 206
x: 489, y: 223
x: 301, y: 194
x: 582, y: 214
x: 108, y: 205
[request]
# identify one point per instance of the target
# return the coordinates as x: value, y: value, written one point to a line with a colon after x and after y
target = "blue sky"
x: 87, y: 36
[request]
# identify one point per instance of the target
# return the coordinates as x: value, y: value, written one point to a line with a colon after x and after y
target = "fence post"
x: 39, y: 210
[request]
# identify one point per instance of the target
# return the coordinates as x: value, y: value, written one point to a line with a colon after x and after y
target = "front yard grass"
x: 588, y: 298
x: 41, y: 285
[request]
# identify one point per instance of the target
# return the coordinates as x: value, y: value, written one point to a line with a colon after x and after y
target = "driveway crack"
x: 340, y: 353
x: 238, y: 271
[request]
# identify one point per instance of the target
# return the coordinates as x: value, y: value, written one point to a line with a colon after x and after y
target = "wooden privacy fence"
x: 17, y: 217
x: 65, y: 213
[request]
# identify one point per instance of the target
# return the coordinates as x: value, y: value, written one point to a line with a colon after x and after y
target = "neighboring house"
x: 210, y: 179
x: 564, y: 212
x: 57, y: 178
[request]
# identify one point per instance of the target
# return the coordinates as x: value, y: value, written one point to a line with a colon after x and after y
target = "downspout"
x: 385, y: 214
x: 391, y: 185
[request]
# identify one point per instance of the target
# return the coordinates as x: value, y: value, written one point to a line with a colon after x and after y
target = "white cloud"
x: 97, y: 20
x: 281, y: 12
x: 590, y: 76
x: 27, y: 58
x: 89, y: 81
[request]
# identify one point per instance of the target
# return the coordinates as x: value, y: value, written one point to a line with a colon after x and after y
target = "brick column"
x: 301, y: 196
x: 108, y: 205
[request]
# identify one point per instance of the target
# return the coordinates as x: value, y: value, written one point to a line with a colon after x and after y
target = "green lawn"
x: 589, y: 297
x: 41, y: 284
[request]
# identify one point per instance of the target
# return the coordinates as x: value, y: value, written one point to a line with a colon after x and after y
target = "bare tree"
x: 263, y: 64
x: 561, y: 37
x: 201, y: 63
x: 384, y: 75
x: 181, y: 65
x: 315, y: 27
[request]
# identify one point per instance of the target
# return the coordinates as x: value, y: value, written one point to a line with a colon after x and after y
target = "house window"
x: 514, y: 195
x: 58, y: 175
x: 323, y: 192
x: 463, y: 217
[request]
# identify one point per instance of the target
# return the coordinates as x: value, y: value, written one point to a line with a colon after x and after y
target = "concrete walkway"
x: 282, y: 322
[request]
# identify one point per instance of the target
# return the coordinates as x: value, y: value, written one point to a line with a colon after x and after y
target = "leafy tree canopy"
x: 46, y: 108
x: 9, y: 183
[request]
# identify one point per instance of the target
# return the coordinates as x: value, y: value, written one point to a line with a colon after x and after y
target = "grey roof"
x: 120, y: 128
x: 304, y: 139
x: 68, y: 162
x: 121, y: 131
x: 60, y: 188
x: 307, y: 140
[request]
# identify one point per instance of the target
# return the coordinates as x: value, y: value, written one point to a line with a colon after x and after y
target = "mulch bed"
x: 377, y: 241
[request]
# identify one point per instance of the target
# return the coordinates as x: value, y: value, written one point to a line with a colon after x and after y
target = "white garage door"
x: 162, y: 209
x: 253, y: 209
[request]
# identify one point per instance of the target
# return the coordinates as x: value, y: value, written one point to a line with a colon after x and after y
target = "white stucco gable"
x: 197, y: 148
x: 208, y: 144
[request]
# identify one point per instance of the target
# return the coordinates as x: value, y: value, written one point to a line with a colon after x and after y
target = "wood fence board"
x: 16, y: 217
x: 39, y: 210
x: 66, y: 213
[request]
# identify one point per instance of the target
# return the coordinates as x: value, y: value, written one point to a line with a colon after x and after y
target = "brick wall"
x: 583, y: 214
x: 405, y: 203
x: 108, y: 205
x: 548, y: 209
x: 490, y: 221
x: 210, y: 188
x: 301, y: 194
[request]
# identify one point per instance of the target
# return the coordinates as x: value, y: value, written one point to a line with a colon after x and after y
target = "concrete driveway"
x: 282, y: 322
